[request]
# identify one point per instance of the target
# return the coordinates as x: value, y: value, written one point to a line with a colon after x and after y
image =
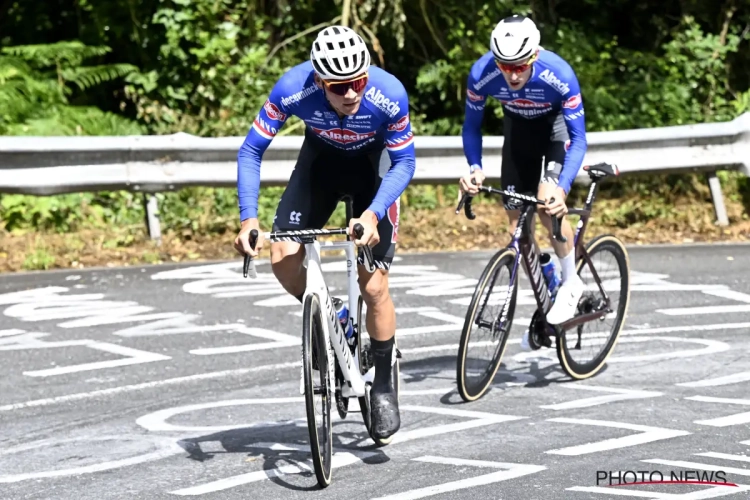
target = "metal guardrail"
x: 151, y: 164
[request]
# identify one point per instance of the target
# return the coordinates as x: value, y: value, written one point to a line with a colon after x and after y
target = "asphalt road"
x: 183, y: 380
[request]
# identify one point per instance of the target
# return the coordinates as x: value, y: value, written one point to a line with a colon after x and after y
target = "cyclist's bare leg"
x: 513, y: 216
x: 287, y: 258
x: 571, y: 289
x: 381, y: 313
x: 381, y: 326
x: 561, y: 249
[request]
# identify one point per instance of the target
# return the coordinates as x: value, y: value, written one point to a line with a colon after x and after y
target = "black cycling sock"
x: 382, y: 351
x: 299, y: 297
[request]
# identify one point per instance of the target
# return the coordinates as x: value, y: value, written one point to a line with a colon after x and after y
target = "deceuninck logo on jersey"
x: 343, y: 136
x: 273, y: 112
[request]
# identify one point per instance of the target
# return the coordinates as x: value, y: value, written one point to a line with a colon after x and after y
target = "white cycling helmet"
x: 339, y: 53
x: 514, y: 39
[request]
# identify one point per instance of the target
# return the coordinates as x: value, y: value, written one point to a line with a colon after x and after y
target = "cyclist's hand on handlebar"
x: 557, y: 208
x: 369, y: 222
x: 242, y: 241
x: 466, y: 185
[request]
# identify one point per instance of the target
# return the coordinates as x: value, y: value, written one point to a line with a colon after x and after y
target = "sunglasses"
x: 342, y: 87
x: 516, y: 68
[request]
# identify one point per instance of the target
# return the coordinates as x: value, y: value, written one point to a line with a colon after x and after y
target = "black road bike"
x: 600, y: 313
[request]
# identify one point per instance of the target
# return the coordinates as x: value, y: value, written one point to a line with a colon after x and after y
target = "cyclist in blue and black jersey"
x: 544, y: 135
x: 354, y: 113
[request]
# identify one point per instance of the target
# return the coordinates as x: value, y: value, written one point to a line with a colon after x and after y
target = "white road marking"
x: 340, y: 458
x: 157, y: 421
x: 616, y: 395
x: 646, y: 434
x: 31, y: 341
x: 724, y: 456
x: 690, y: 311
x: 712, y: 347
x: 165, y: 448
x: 736, y: 419
x: 699, y: 466
x: 11, y: 332
x: 146, y: 385
x: 713, y: 382
x: 132, y: 357
x: 513, y: 471
x: 277, y: 340
x: 688, y: 328
x: 730, y: 294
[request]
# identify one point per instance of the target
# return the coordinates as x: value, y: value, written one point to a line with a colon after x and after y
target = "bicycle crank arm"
x: 583, y: 318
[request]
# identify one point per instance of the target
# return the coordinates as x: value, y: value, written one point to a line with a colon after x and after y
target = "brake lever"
x: 248, y: 266
x: 366, y: 250
x: 557, y: 226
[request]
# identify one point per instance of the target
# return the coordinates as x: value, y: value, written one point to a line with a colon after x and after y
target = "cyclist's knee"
x: 513, y: 216
x: 374, y: 287
x: 286, y: 258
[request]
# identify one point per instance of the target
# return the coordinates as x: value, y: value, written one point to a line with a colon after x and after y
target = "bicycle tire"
x: 364, y: 402
x: 313, y: 340
x: 581, y: 371
x: 503, y: 258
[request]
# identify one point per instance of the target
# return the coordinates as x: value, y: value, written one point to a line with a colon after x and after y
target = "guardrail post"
x: 718, y: 198
x: 152, y: 217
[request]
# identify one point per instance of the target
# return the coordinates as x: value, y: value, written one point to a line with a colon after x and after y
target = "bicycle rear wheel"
x: 475, y: 372
x: 363, y: 343
x: 609, y: 259
x: 318, y: 383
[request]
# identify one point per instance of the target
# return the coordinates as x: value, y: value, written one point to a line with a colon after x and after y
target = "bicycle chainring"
x: 538, y: 336
x: 342, y: 403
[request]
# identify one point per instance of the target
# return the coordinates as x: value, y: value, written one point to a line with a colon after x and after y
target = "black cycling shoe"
x: 384, y: 414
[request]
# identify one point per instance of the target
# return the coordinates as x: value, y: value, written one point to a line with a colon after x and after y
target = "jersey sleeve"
x: 399, y: 142
x: 266, y: 125
x: 575, y: 121
x: 471, y: 132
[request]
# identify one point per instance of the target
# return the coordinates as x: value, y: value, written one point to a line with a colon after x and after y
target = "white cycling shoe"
x: 566, y: 301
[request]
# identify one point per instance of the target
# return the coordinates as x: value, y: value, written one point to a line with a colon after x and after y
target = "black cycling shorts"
x: 322, y: 177
x: 530, y: 148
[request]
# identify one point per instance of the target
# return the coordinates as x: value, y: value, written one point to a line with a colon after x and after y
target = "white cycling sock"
x: 568, y: 265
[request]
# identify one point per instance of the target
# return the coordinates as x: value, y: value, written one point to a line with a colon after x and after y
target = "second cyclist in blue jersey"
x: 544, y: 135
x: 359, y: 144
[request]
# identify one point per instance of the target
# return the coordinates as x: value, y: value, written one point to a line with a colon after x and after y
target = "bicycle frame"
x: 333, y: 331
x: 527, y: 250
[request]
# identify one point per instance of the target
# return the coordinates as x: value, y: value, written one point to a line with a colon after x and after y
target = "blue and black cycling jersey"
x: 552, y: 89
x: 381, y: 121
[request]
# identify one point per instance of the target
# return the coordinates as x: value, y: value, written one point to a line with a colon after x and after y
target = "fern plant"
x: 36, y: 82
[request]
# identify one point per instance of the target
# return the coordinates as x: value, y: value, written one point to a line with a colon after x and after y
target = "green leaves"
x: 34, y: 97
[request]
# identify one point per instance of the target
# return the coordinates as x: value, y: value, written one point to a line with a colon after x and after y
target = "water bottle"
x: 343, y: 313
x: 550, y: 273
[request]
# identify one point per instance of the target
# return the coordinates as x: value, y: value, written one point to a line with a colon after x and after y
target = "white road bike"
x: 333, y: 367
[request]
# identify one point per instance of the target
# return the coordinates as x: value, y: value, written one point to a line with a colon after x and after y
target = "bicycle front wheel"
x: 584, y: 350
x: 318, y: 384
x: 491, y: 310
